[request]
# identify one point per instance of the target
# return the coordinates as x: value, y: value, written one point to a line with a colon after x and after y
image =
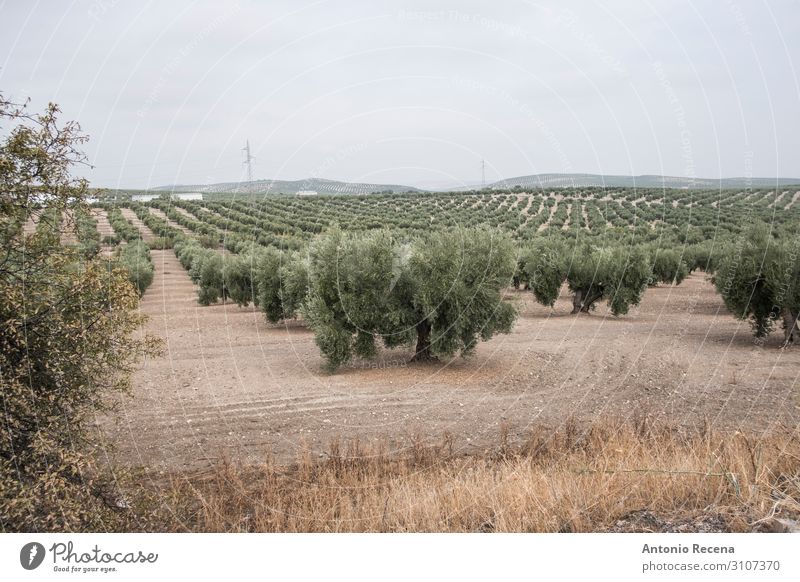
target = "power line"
x: 248, y: 161
x: 483, y: 174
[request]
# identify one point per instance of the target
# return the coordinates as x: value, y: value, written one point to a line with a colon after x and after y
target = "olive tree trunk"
x: 790, y: 326
x: 422, y: 353
x: 576, y: 301
x: 582, y: 301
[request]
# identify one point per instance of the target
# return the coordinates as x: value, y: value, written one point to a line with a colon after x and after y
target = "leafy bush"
x: 282, y: 283
x: 208, y: 242
x: 240, y: 278
x: 67, y: 341
x: 546, y: 264
x: 701, y: 256
x: 211, y: 279
x: 86, y: 229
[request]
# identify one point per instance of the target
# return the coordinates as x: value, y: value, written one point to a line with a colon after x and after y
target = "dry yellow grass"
x: 574, y: 480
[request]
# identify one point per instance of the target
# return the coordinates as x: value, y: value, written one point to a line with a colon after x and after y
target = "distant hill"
x: 644, y: 181
x: 318, y: 185
x: 534, y: 182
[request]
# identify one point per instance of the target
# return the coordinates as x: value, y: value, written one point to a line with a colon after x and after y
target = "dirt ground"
x: 231, y: 386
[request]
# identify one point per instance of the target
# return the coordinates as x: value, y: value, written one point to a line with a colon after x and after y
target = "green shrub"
x: 68, y: 341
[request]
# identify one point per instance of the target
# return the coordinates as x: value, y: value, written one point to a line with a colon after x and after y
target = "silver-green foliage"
x: 442, y: 290
x: 618, y: 275
x: 759, y: 279
x: 545, y: 266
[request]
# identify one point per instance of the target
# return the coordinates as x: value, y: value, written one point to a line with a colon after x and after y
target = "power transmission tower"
x: 483, y: 174
x: 248, y: 161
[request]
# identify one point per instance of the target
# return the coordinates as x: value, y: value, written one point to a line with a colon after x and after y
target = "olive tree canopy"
x: 440, y: 291
x: 759, y: 279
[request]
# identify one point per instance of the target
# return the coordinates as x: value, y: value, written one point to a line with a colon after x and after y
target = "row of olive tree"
x: 440, y: 292
x: 758, y: 276
x: 354, y: 289
x: 274, y: 280
x: 617, y: 274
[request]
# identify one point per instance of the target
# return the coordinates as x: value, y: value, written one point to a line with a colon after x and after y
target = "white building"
x: 187, y: 196
x: 306, y: 192
x: 144, y: 197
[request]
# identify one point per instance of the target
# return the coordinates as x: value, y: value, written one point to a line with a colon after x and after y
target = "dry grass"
x: 574, y: 480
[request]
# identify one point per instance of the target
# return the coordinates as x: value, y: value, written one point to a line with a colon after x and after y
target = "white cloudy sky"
x: 414, y: 92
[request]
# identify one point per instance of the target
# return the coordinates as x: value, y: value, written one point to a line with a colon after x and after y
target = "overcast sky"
x: 413, y: 92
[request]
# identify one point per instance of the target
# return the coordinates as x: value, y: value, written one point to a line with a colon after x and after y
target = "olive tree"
x: 668, y: 267
x: 440, y: 292
x: 350, y: 284
x: 454, y: 291
x: 701, y: 256
x: 617, y: 274
x: 546, y: 265
x: 240, y: 273
x: 281, y: 281
x: 211, y: 278
x: 759, y: 279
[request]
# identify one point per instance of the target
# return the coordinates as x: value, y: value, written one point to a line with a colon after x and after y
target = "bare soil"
x: 231, y: 386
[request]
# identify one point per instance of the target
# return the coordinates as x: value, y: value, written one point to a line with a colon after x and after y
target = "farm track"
x: 585, y: 217
x: 779, y: 200
x: 103, y: 225
x: 568, y: 221
x: 229, y: 385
